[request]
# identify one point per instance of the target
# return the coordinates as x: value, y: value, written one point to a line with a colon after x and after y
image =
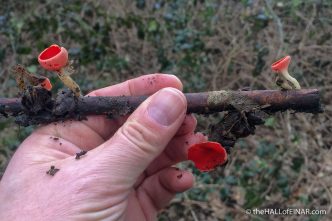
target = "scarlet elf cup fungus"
x: 37, y: 81
x: 281, y: 67
x: 207, y: 155
x: 55, y: 58
x: 46, y: 83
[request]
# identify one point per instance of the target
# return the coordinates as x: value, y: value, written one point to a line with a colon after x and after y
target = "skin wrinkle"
x: 162, y: 184
x: 147, y: 173
x: 126, y: 179
x: 58, y: 130
x: 169, y: 155
x: 141, y: 192
x: 99, y: 204
x: 43, y: 158
x: 102, y: 213
x: 30, y: 157
x: 188, y: 125
x: 42, y: 199
x: 104, y: 163
x: 159, y: 187
x: 130, y: 85
x: 119, y: 121
x: 102, y: 189
x: 137, y: 135
x: 141, y: 179
x: 167, y: 158
x: 102, y: 137
x: 106, y: 122
x: 62, y: 147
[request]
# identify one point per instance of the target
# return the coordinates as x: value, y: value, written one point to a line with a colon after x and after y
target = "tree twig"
x: 39, y: 109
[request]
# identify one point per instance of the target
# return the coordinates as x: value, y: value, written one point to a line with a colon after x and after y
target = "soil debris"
x: 80, y: 154
x: 52, y: 171
x: 235, y: 125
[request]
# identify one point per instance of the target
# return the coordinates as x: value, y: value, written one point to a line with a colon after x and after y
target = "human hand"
x: 126, y: 174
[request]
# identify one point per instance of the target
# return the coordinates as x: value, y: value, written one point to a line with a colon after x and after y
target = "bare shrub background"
x: 209, y: 45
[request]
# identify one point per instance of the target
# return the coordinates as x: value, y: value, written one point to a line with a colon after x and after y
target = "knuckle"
x: 141, y: 137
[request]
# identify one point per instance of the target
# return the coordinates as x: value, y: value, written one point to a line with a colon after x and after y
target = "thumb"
x: 145, y: 134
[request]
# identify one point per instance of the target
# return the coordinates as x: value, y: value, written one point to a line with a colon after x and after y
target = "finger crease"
x: 152, y: 201
x: 166, y: 187
x: 96, y: 132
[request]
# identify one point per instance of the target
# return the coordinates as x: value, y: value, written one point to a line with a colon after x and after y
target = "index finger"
x: 143, y: 85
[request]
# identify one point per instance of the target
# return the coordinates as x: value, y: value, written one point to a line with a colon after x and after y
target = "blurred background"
x: 209, y: 45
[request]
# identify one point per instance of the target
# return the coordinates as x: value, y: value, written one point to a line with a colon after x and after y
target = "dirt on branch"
x: 37, y: 106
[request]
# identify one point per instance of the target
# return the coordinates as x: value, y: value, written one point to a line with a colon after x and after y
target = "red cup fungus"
x: 281, y: 67
x: 207, y: 155
x: 281, y: 64
x: 46, y: 84
x: 53, y: 58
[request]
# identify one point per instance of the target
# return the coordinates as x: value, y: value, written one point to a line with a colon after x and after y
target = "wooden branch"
x: 66, y: 106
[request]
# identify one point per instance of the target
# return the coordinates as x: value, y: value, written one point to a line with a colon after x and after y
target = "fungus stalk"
x: 283, y: 83
x: 64, y: 76
x: 289, y: 78
x: 281, y: 67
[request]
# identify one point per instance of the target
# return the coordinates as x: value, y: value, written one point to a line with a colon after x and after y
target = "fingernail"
x: 166, y: 106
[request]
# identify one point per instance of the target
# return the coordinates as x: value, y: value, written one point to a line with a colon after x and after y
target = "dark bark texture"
x: 37, y: 106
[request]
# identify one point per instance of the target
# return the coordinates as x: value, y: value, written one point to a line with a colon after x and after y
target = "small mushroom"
x: 55, y: 58
x: 281, y: 66
x: 36, y: 81
x: 46, y: 83
x: 207, y: 155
